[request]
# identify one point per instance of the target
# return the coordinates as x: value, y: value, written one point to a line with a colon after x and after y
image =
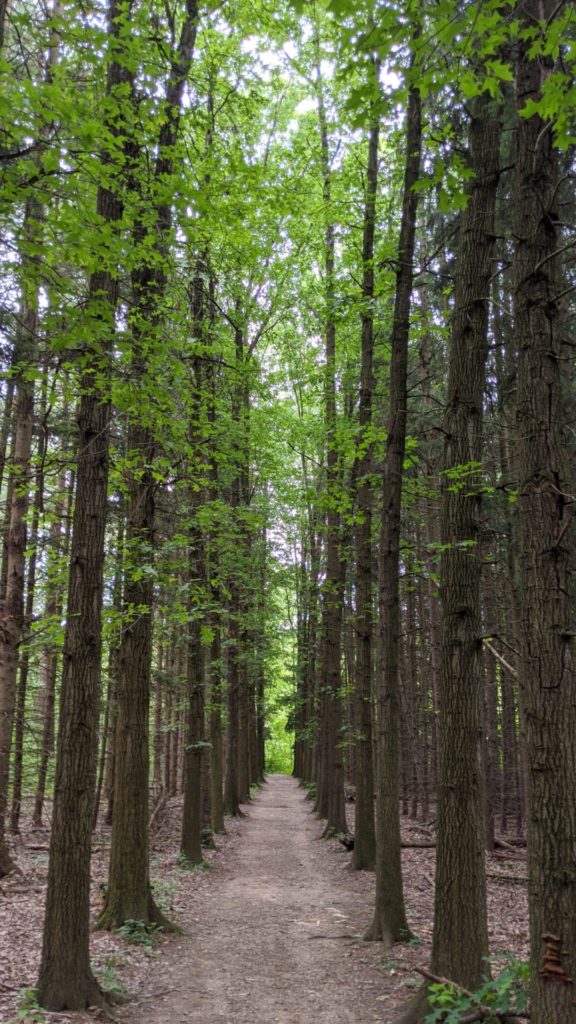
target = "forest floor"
x: 272, y: 932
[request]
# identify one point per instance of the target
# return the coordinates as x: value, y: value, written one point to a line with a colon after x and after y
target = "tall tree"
x: 128, y: 894
x: 547, y: 543
x: 364, y: 836
x: 460, y: 936
x: 331, y: 782
x: 389, y: 922
x: 66, y: 980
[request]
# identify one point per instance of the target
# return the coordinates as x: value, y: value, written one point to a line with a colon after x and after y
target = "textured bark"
x: 66, y: 980
x: 6, y: 426
x: 546, y: 546
x: 216, y: 758
x: 231, y: 788
x: 12, y: 619
x: 194, y: 749
x: 106, y: 764
x: 460, y: 935
x: 59, y: 547
x: 128, y: 895
x: 363, y: 857
x: 330, y: 780
x: 389, y: 923
x: 32, y: 545
x: 460, y: 938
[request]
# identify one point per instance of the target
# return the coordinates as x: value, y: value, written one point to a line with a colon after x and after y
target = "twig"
x: 502, y: 660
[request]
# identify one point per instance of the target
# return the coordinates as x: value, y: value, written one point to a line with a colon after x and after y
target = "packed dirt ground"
x: 272, y: 930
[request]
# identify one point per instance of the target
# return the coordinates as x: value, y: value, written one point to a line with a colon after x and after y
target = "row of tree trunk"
x: 457, y: 652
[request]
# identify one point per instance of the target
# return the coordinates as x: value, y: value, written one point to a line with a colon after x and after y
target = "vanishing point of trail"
x: 270, y: 942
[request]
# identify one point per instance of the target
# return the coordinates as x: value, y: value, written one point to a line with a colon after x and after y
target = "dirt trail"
x: 274, y: 940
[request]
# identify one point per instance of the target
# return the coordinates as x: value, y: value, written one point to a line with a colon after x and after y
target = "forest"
x: 287, y: 474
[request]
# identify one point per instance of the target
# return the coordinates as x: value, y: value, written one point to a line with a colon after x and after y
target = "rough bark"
x: 546, y: 545
x: 460, y: 935
x: 12, y: 619
x: 330, y: 781
x: 363, y: 857
x: 389, y: 923
x: 66, y: 980
x: 460, y: 938
x: 32, y: 545
x: 59, y: 546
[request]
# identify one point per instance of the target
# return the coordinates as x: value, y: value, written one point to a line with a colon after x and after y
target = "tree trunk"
x: 389, y: 922
x: 331, y: 780
x: 66, y: 980
x: 32, y: 544
x: 12, y: 608
x: 363, y: 857
x: 59, y: 547
x: 546, y: 544
x: 460, y: 938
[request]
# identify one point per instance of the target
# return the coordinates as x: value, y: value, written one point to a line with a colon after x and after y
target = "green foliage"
x: 163, y: 892
x: 108, y: 977
x: 185, y: 865
x: 138, y: 933
x: 507, y: 993
x: 29, y: 1011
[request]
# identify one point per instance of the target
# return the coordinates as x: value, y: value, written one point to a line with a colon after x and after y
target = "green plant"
x: 108, y: 977
x: 28, y: 1012
x: 207, y: 838
x: 504, y: 995
x: 186, y: 865
x: 163, y: 891
x: 311, y: 790
x: 139, y: 933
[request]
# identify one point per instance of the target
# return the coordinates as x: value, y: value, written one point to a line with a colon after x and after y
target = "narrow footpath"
x: 275, y: 940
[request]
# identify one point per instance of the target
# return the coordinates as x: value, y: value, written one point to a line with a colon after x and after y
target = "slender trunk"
x: 59, y: 548
x: 106, y: 766
x: 389, y: 922
x: 32, y: 545
x: 12, y: 617
x: 331, y: 781
x: 363, y: 857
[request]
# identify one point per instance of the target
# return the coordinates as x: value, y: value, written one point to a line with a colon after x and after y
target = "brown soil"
x: 278, y: 939
x: 273, y: 933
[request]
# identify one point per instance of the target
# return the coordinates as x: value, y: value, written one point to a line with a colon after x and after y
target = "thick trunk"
x: 66, y: 980
x: 546, y: 545
x: 128, y: 895
x: 460, y: 940
x: 460, y: 936
x: 128, y: 891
